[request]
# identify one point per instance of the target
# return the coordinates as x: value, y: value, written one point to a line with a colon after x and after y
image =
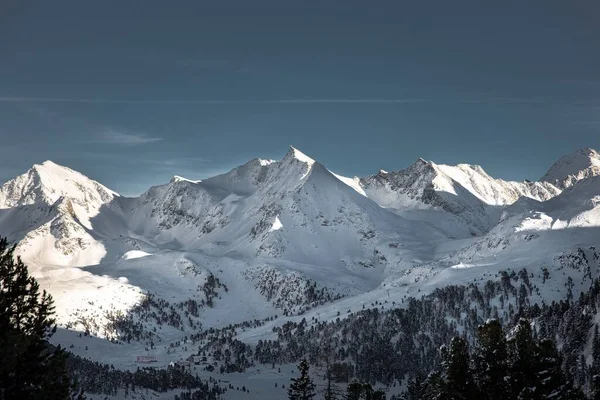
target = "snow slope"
x: 574, y: 167
x: 286, y: 238
x: 466, y: 192
x: 49, y: 210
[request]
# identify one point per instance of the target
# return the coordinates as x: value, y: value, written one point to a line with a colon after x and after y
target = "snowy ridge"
x: 574, y: 167
x: 47, y: 182
x: 49, y: 210
x: 289, y: 236
x: 465, y: 191
x: 178, y: 178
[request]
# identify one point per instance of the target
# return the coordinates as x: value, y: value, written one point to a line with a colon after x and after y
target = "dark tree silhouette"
x: 30, y: 368
x: 521, y: 368
x: 302, y: 388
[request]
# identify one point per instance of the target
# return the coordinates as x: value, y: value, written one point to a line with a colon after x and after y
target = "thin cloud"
x: 456, y: 97
x: 585, y: 82
x: 508, y: 100
x: 166, y: 101
x: 374, y: 101
x: 175, y: 162
x: 591, y: 122
x: 124, y: 138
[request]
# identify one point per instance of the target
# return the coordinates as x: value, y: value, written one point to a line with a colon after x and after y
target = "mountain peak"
x: 47, y: 182
x: 570, y: 169
x: 588, y: 151
x: 48, y: 164
x: 177, y: 178
x: 264, y: 162
x: 298, y: 155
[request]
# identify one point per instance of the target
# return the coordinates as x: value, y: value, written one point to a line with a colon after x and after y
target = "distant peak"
x: 264, y: 163
x: 50, y: 168
x: 573, y: 167
x: 587, y: 152
x: 383, y: 172
x: 48, y: 164
x: 420, y: 163
x: 177, y: 178
x: 474, y: 167
x: 298, y: 155
x: 48, y: 182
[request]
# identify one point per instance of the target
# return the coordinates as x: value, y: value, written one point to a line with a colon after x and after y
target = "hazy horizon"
x: 131, y: 96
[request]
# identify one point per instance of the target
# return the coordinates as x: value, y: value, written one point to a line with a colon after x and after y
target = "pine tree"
x: 79, y: 395
x: 354, y: 391
x: 326, y: 359
x: 360, y: 391
x: 549, y: 375
x: 415, y: 388
x: 378, y: 395
x: 302, y: 388
x: 30, y: 368
x: 457, y: 383
x: 596, y: 346
x: 523, y: 355
x: 596, y: 387
x: 595, y: 369
x: 490, y: 361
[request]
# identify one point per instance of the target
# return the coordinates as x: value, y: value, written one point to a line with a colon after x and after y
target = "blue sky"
x: 131, y: 93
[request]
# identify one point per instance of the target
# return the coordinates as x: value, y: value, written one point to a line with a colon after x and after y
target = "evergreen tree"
x: 415, y: 388
x: 327, y: 359
x: 354, y: 391
x: 79, y: 395
x: 302, y: 388
x: 596, y: 349
x: 596, y: 387
x: 490, y: 361
x: 550, y: 379
x: 30, y: 368
x: 520, y: 369
x: 595, y: 369
x: 457, y: 383
x: 363, y: 391
x: 523, y: 355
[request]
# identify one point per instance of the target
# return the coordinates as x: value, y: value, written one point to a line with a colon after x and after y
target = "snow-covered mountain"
x: 465, y: 191
x: 47, y: 182
x: 572, y: 168
x: 285, y: 237
x: 294, y: 210
x: 49, y: 210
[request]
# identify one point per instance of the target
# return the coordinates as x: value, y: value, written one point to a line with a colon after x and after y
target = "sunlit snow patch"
x: 461, y: 266
x: 178, y: 178
x: 277, y: 225
x: 264, y: 163
x: 353, y: 183
x: 302, y: 157
x: 130, y: 255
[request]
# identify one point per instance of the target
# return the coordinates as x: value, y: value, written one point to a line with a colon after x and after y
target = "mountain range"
x: 285, y: 237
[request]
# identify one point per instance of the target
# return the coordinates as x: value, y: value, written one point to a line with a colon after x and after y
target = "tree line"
x: 32, y: 368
